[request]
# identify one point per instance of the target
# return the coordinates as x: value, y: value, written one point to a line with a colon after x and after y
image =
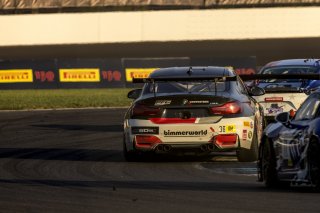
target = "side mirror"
x: 283, y: 118
x: 256, y: 91
x: 134, y: 94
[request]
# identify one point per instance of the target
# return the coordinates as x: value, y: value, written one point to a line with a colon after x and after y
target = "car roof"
x: 294, y: 62
x: 192, y: 72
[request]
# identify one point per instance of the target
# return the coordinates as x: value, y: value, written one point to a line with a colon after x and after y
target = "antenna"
x: 189, y: 72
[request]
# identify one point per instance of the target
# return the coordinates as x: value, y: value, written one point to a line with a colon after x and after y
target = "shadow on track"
x: 87, y: 155
x: 74, y: 127
x: 62, y: 154
x: 115, y: 185
x: 95, y: 155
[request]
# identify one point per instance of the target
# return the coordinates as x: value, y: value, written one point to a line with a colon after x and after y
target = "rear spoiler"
x: 281, y: 76
x: 172, y: 79
x: 232, y: 78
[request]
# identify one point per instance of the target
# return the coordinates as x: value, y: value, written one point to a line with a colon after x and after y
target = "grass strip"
x: 62, y: 98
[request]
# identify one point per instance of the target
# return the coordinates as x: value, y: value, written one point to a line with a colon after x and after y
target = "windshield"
x: 185, y: 87
x: 286, y: 71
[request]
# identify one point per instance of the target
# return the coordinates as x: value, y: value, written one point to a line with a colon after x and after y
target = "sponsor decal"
x: 227, y: 128
x: 44, y: 76
x: 250, y: 134
x: 16, y: 76
x: 111, y: 75
x: 168, y: 133
x: 162, y: 102
x: 186, y: 101
x: 246, y: 123
x: 199, y: 102
x: 274, y: 110
x: 145, y: 130
x: 138, y: 73
x: 244, y: 134
x: 79, y: 75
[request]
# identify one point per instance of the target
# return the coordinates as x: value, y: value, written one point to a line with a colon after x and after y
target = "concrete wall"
x: 159, y: 26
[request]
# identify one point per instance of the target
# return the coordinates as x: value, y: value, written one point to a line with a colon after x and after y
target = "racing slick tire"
x: 130, y: 156
x: 249, y: 155
x: 268, y: 164
x: 314, y: 163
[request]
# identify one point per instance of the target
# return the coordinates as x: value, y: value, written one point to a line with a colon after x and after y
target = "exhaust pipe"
x: 204, y: 148
x: 163, y: 148
x: 210, y: 147
x: 159, y: 148
x: 167, y: 148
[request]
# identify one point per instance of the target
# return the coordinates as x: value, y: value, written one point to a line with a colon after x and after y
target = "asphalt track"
x: 71, y: 161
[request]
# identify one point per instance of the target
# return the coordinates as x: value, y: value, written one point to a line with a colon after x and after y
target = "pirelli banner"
x: 62, y: 73
x: 101, y: 73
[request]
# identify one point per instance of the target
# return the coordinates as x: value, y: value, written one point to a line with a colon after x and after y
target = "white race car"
x: 286, y: 92
x: 193, y: 109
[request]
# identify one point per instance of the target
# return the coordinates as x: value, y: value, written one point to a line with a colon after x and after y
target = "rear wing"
x: 281, y: 76
x: 175, y: 79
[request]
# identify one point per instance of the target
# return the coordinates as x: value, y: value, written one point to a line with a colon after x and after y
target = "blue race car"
x: 289, y: 151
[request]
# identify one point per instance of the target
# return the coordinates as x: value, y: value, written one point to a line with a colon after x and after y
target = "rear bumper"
x: 225, y: 135
x: 197, y: 149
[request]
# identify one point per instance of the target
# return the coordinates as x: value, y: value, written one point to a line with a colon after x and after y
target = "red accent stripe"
x: 273, y: 99
x: 172, y: 120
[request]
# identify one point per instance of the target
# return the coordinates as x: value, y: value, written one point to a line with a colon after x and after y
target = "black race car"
x: 193, y: 109
x: 289, y: 151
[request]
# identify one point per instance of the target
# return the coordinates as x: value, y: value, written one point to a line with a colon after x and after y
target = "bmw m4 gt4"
x: 193, y: 109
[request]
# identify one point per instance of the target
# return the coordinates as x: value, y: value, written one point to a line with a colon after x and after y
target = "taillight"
x: 226, y: 109
x: 146, y: 141
x: 144, y: 110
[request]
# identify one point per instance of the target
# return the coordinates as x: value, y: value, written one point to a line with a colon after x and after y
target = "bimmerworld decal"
x: 169, y: 133
x: 138, y: 73
x: 79, y: 75
x: 16, y: 76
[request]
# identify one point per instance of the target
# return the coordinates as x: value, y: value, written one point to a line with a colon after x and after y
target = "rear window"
x: 288, y: 70
x: 185, y: 87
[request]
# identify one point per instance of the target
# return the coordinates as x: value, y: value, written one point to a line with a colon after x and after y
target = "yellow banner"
x: 16, y: 76
x: 79, y: 75
x: 138, y: 73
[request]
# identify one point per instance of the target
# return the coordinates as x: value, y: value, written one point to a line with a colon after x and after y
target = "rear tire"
x: 249, y: 155
x: 314, y: 163
x: 268, y: 166
x: 130, y: 156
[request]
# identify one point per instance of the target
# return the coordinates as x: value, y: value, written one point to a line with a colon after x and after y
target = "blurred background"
x: 105, y: 43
